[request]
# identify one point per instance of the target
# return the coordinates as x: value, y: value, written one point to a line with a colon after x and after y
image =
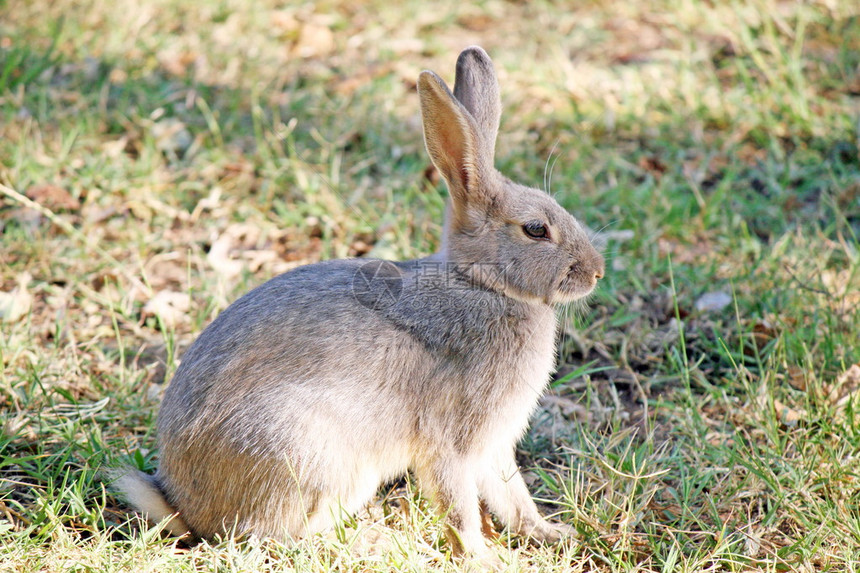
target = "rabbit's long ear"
x: 451, y: 137
x: 476, y: 87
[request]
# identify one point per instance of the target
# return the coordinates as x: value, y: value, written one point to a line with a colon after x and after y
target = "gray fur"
x: 307, y: 393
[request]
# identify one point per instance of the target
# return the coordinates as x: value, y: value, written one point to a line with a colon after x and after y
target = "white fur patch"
x: 148, y: 500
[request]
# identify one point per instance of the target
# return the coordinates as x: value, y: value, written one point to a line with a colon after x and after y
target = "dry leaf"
x: 788, y: 415
x: 16, y: 304
x: 763, y: 332
x: 359, y: 248
x: 431, y: 175
x: 283, y: 20
x: 850, y: 377
x: 166, y: 270
x: 257, y: 259
x: 653, y: 165
x: 845, y: 387
x: 314, y: 40
x: 797, y: 377
x: 219, y: 257
x: 175, y: 61
x: 633, y: 40
x: 53, y: 197
x: 171, y: 306
x: 570, y: 409
x: 845, y: 288
x: 116, y: 148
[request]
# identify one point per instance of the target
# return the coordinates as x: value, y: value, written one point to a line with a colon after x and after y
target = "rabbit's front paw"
x: 484, y: 560
x: 545, y: 532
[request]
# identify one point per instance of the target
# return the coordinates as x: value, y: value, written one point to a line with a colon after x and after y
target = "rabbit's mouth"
x: 570, y: 291
x: 579, y: 281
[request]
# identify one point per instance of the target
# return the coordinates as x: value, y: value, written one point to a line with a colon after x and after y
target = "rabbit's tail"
x: 144, y: 493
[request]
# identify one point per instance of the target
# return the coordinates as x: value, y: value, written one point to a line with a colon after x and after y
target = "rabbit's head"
x: 507, y: 237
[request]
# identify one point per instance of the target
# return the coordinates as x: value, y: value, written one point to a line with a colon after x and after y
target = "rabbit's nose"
x: 599, y: 267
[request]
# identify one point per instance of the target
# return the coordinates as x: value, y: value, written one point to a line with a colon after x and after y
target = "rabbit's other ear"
x: 451, y: 137
x: 476, y: 87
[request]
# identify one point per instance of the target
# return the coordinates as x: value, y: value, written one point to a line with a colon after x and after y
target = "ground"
x: 158, y: 159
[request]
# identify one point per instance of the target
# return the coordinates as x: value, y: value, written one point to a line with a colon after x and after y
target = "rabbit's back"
x: 291, y: 334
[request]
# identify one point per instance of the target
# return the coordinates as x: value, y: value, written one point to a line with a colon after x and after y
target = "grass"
x: 182, y: 153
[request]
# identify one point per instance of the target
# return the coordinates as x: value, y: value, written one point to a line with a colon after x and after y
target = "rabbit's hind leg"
x: 345, y: 494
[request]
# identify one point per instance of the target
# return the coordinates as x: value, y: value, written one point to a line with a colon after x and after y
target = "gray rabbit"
x: 310, y: 391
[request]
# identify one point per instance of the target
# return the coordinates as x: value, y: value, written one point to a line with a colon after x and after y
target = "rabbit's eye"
x: 536, y: 230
